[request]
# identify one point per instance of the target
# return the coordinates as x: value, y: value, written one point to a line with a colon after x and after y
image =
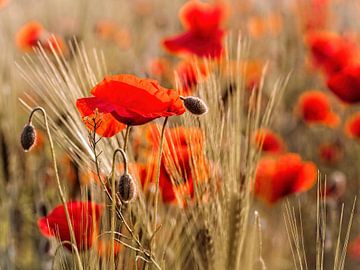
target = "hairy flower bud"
x: 126, y: 188
x: 195, y: 105
x: 28, y: 137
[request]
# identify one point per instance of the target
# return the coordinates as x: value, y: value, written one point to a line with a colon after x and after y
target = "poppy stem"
x: 113, y: 201
x: 107, y: 191
x: 158, y: 174
x: 60, y: 190
x: 127, y: 133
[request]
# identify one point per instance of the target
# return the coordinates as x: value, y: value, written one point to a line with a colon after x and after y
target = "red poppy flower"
x: 32, y: 33
x: 268, y: 141
x: 330, y: 153
x: 314, y: 108
x: 203, y: 36
x: 354, y: 248
x: 182, y: 163
x: 315, y: 14
x: 331, y: 52
x: 84, y: 218
x: 279, y: 176
x: 352, y: 126
x: 28, y: 35
x: 346, y: 84
x: 3, y: 3
x: 130, y: 100
x: 189, y: 74
x: 103, y: 248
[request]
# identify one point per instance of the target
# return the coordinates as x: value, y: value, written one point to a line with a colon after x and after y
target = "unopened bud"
x: 126, y: 188
x: 28, y: 137
x: 195, y: 105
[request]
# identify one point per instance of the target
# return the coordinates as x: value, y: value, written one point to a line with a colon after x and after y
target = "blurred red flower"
x: 103, y: 248
x: 32, y: 33
x: 346, y: 84
x: 354, y: 248
x: 203, y: 36
x: 279, y: 176
x: 29, y: 35
x: 129, y: 100
x: 182, y: 163
x: 352, y: 126
x: 314, y: 108
x: 331, y: 52
x: 268, y: 141
x: 331, y: 153
x: 190, y: 73
x: 84, y: 216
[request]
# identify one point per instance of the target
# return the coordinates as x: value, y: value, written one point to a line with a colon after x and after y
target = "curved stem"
x: 158, y: 173
x: 60, y: 190
x: 127, y: 133
x: 113, y: 201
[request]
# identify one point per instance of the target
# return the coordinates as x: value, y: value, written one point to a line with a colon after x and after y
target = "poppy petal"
x: 191, y: 43
x: 201, y: 16
x: 108, y: 126
x: 306, y: 178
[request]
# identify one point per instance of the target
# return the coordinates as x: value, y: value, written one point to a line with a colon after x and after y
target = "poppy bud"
x: 28, y: 137
x: 126, y: 188
x: 195, y: 105
x: 42, y: 209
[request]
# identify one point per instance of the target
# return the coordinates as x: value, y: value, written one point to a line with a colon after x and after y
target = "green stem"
x: 60, y: 190
x: 158, y: 173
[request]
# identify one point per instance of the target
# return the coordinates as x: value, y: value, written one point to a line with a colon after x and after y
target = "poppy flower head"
x: 331, y: 52
x: 159, y: 67
x: 84, y: 216
x: 269, y: 142
x: 331, y: 153
x: 182, y: 162
x: 105, y: 29
x: 352, y: 126
x: 204, y: 34
x: 259, y: 26
x: 280, y: 176
x: 189, y: 74
x: 29, y: 35
x: 202, y: 17
x: 3, y: 3
x: 33, y: 33
x: 131, y: 100
x: 354, y: 248
x: 314, y: 108
x: 346, y: 84
x: 315, y: 14
x: 103, y: 248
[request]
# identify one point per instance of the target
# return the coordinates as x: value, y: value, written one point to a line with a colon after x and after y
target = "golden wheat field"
x: 174, y: 134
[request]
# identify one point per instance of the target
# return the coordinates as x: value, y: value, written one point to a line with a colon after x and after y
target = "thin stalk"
x: 60, y: 190
x: 127, y: 133
x: 158, y: 173
x: 106, y: 189
x: 113, y: 201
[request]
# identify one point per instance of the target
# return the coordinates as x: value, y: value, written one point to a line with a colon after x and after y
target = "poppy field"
x: 184, y: 134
